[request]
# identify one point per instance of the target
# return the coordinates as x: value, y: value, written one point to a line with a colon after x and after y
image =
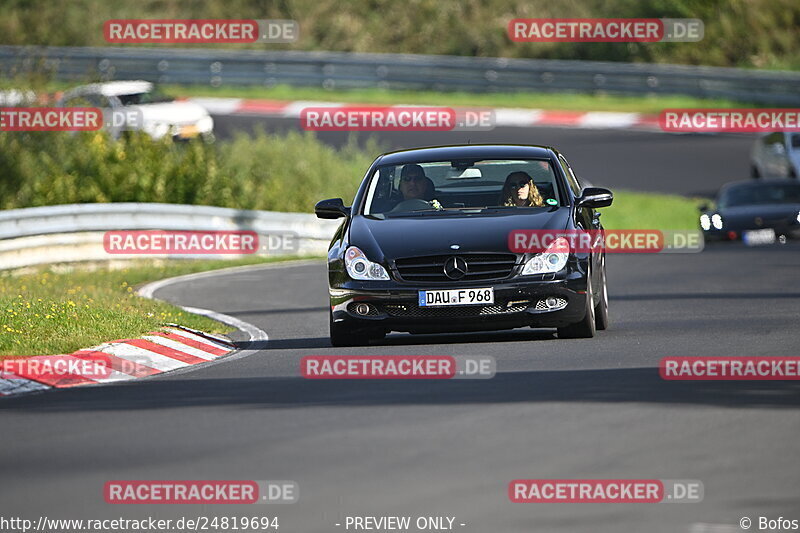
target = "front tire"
x: 342, y: 336
x: 601, y: 310
x: 586, y: 328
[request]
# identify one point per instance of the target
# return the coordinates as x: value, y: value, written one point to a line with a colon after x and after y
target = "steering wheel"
x: 414, y: 204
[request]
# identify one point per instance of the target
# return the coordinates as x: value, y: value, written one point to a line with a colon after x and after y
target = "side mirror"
x: 594, y: 197
x: 333, y: 208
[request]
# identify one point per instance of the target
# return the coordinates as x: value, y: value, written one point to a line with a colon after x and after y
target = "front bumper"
x: 734, y: 233
x: 394, y: 306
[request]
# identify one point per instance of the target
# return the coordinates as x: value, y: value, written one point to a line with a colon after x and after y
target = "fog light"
x: 551, y: 303
x: 362, y: 309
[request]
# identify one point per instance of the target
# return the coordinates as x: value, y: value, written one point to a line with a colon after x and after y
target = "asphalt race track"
x: 557, y: 409
x: 562, y: 409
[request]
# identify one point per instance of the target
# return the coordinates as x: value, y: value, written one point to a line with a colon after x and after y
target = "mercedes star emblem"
x: 455, y: 268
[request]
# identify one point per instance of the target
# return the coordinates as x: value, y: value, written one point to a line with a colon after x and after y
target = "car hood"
x: 172, y: 112
x: 393, y: 238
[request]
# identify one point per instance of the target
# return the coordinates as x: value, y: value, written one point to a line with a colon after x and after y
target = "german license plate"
x: 759, y: 236
x: 456, y: 297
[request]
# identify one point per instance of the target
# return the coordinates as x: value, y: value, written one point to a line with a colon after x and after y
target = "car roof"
x: 115, y: 88
x: 760, y: 181
x: 466, y: 151
x: 756, y: 183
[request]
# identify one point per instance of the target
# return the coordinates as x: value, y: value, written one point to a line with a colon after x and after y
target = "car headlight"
x: 359, y: 267
x: 716, y: 220
x: 798, y: 217
x: 705, y: 222
x: 553, y: 259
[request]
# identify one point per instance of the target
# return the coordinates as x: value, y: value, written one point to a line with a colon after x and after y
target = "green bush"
x: 269, y: 172
x: 751, y: 33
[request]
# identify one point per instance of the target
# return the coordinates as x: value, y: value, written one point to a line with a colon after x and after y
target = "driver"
x: 414, y: 184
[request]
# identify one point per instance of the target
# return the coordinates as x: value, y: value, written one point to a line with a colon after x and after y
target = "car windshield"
x: 757, y: 194
x: 443, y: 187
x: 150, y: 97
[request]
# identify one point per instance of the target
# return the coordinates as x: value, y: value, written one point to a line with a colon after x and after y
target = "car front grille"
x: 414, y: 311
x: 480, y: 267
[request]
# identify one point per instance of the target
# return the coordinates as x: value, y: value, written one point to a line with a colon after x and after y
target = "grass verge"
x: 551, y: 101
x: 57, y: 310
x: 640, y: 210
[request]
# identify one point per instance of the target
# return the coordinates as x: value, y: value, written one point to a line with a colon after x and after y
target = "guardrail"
x: 338, y: 70
x: 74, y: 232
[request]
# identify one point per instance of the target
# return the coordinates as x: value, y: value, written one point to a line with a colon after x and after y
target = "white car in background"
x: 17, y: 98
x: 776, y: 155
x: 154, y: 114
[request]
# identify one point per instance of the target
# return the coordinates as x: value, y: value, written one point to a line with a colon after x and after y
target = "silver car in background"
x: 155, y: 114
x: 776, y: 155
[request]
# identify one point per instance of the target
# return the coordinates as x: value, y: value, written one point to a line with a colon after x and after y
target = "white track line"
x: 257, y: 336
x: 185, y: 348
x: 142, y: 356
x: 203, y: 340
x: 148, y: 290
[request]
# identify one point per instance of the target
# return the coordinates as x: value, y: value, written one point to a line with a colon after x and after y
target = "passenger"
x: 520, y: 191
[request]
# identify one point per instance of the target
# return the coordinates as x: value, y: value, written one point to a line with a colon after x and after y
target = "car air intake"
x: 410, y: 310
x: 470, y: 267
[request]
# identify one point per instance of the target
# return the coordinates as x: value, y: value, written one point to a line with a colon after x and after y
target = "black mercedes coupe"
x: 756, y: 212
x: 425, y: 246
